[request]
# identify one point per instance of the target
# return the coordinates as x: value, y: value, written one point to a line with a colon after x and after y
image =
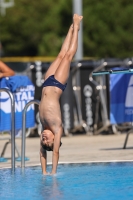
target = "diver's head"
x: 47, y: 140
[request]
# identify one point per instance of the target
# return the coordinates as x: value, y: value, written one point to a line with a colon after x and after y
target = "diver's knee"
x: 61, y: 54
x: 68, y: 56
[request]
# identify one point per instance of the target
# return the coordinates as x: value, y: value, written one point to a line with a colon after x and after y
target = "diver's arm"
x: 43, y: 160
x: 55, y: 157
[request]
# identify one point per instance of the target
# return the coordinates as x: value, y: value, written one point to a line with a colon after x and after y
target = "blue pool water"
x: 103, y: 181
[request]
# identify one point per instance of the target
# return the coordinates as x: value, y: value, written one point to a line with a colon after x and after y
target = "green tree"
x: 32, y: 28
x: 108, y: 28
x: 37, y: 28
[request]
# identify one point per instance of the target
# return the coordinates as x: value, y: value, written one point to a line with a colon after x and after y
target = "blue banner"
x: 121, y: 98
x: 23, y: 90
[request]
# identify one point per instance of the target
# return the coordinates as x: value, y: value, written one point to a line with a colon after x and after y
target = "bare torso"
x: 50, y: 113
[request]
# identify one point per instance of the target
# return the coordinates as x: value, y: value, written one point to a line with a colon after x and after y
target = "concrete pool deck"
x: 78, y: 148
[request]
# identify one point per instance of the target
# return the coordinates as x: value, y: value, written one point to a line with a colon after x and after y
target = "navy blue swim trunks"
x: 51, y: 81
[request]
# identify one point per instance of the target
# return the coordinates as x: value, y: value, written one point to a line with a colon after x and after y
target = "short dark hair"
x: 45, y: 147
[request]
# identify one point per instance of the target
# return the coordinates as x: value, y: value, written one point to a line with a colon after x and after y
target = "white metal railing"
x: 12, y: 127
x: 23, y: 131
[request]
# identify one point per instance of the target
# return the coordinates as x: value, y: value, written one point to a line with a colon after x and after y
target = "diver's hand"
x: 46, y: 173
x: 52, y: 173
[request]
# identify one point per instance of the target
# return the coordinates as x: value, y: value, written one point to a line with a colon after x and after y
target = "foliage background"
x: 37, y: 28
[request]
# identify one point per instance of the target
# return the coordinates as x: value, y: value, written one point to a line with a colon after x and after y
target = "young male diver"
x: 54, y: 84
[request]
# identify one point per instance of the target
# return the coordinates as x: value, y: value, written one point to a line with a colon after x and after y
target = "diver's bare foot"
x: 76, y: 20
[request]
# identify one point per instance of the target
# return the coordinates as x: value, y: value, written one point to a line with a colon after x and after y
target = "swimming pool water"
x: 101, y: 181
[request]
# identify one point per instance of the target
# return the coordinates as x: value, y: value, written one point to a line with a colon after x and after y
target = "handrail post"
x: 23, y: 131
x: 12, y: 127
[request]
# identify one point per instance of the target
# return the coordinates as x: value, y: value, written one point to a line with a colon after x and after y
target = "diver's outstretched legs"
x: 53, y: 67
x: 62, y: 72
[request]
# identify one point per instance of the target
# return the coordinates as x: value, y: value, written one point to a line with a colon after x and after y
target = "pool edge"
x: 74, y: 162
